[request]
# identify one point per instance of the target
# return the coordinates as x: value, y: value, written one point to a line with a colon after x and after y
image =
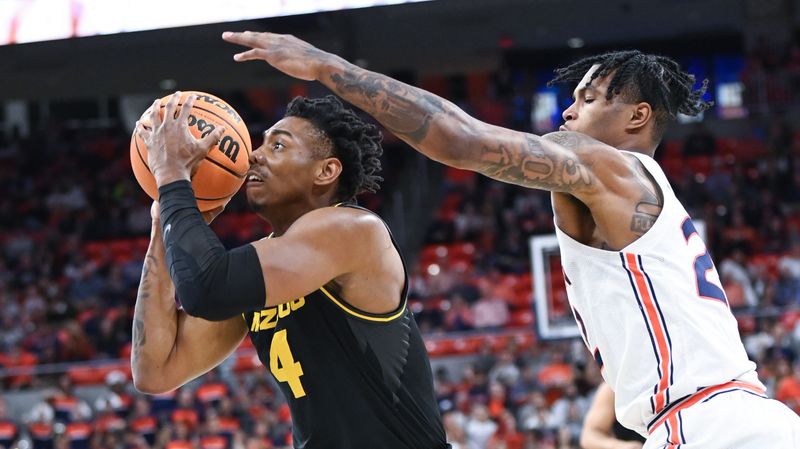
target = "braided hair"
x: 638, y: 77
x: 355, y: 143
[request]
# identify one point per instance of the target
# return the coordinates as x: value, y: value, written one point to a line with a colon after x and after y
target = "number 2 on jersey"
x: 702, y: 265
x: 282, y: 364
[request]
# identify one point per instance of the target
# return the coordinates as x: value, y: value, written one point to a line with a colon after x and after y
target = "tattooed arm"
x: 562, y: 162
x: 170, y: 347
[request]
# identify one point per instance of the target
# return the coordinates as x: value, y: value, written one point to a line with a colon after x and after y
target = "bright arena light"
x: 24, y: 21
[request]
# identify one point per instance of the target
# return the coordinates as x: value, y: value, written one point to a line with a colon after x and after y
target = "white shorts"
x: 731, y: 418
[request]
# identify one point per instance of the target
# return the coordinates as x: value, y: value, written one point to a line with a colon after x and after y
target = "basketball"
x: 222, y: 172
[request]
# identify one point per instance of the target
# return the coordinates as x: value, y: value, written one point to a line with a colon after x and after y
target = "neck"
x: 638, y: 145
x: 282, y: 217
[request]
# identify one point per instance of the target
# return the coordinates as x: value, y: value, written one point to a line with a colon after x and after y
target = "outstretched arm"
x: 560, y: 162
x: 170, y: 347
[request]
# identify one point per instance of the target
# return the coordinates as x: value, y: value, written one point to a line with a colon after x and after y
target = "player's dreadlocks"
x: 356, y: 143
x: 638, y: 77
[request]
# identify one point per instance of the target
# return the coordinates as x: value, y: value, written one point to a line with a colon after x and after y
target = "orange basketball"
x: 222, y: 172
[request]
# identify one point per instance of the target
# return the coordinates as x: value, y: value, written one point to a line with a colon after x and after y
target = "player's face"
x: 592, y: 114
x: 283, y: 168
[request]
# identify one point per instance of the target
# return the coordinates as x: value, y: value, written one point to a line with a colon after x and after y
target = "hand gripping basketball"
x: 186, y: 145
x: 173, y: 152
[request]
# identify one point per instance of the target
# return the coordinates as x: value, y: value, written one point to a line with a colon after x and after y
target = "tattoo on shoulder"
x: 531, y: 165
x: 650, y: 204
x: 405, y: 111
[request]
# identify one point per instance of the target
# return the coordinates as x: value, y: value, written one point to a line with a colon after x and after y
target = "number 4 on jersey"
x: 282, y: 364
x: 702, y: 265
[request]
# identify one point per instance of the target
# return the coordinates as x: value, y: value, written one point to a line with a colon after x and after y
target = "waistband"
x: 701, y: 395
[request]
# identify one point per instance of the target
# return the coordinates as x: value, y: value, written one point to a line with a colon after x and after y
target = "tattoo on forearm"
x: 649, y: 206
x: 139, y: 337
x: 142, y: 297
x: 533, y: 166
x: 404, y: 110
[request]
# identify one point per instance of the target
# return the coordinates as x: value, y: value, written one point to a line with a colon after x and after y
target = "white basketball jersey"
x: 654, y: 313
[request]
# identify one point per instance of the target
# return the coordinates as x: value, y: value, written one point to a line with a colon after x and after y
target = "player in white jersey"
x: 640, y: 280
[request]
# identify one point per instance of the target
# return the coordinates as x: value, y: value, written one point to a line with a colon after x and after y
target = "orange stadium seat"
x: 521, y: 318
x: 93, y: 375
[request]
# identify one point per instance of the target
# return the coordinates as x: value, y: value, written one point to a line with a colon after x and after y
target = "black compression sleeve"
x: 211, y: 282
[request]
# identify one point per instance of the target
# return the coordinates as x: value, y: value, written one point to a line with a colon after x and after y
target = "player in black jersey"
x: 323, y: 299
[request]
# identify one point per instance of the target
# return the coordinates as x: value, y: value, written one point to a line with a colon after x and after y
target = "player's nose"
x: 256, y: 157
x: 569, y: 113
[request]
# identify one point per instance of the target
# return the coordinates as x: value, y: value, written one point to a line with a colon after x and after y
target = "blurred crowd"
x: 74, y: 226
x: 772, y: 75
x: 239, y: 412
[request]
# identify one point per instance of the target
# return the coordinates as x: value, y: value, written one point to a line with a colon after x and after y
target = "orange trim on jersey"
x: 673, y: 435
x: 700, y: 396
x: 658, y: 331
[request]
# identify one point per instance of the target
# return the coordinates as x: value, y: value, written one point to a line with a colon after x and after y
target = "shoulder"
x: 341, y: 218
x: 599, y: 156
x: 341, y: 225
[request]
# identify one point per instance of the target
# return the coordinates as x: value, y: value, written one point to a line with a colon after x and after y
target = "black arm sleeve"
x: 211, y: 282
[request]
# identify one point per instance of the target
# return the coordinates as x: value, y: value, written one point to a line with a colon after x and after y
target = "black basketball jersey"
x: 353, y: 379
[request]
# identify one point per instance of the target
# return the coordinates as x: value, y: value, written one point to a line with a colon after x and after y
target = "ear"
x: 641, y: 115
x: 328, y: 171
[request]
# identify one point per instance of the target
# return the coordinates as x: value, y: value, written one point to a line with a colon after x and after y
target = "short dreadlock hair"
x: 656, y: 80
x: 355, y: 143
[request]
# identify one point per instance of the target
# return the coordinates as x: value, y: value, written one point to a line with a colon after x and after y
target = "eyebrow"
x: 274, y: 131
x: 580, y: 90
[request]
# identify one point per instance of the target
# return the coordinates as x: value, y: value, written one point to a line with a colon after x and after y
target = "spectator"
x: 67, y: 406
x: 459, y: 317
x: 788, y: 288
x: 498, y: 402
x: 507, y: 436
x: 535, y: 415
x: 557, y: 372
x: 186, y: 410
x: 479, y: 427
x: 788, y: 389
x: 490, y: 312
x: 9, y: 432
x: 567, y: 407
x: 732, y: 271
x: 505, y: 371
x: 454, y: 422
x: 143, y: 422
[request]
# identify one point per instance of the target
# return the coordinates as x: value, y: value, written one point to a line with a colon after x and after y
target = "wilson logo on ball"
x: 222, y: 173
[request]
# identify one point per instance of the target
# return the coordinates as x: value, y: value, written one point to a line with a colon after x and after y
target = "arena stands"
x: 73, y: 227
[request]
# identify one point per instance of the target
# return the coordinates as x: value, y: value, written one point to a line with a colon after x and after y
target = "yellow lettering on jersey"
x: 297, y: 303
x: 284, y: 310
x: 268, y: 318
x: 282, y: 364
